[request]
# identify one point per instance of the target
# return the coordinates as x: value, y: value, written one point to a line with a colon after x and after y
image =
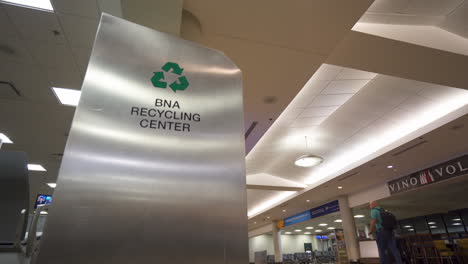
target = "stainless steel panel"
x: 14, y: 196
x: 128, y: 194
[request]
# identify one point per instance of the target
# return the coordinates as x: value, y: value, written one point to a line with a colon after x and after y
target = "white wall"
x: 371, y: 193
x: 260, y: 243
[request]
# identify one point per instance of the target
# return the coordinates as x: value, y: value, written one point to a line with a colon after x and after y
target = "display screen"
x: 43, y: 199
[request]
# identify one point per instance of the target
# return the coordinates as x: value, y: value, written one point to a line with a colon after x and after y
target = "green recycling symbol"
x: 180, y: 84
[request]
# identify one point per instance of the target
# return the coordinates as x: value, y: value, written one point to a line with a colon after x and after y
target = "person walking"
x: 383, y: 223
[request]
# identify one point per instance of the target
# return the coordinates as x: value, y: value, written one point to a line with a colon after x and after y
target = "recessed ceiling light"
x: 431, y: 223
x: 338, y: 221
x: 67, y: 96
x: 456, y: 224
x: 323, y: 224
x: 288, y: 233
x: 284, y: 210
x: 268, y: 217
x: 52, y: 184
x: 340, y: 187
x: 36, y: 167
x: 359, y: 216
x: 307, y: 233
x: 5, y: 139
x: 331, y: 227
x: 433, y: 227
x: 310, y: 227
x: 456, y: 219
x: 44, y: 212
x: 318, y: 230
x: 308, y: 161
x: 255, y: 222
x: 411, y: 229
x: 308, y: 201
x: 389, y: 166
x: 34, y: 4
x: 298, y: 230
x: 407, y: 226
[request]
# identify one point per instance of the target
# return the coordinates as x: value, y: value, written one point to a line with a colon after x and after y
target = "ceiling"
x: 286, y: 51
x: 431, y: 23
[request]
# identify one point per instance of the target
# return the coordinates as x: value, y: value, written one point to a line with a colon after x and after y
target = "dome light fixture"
x: 308, y: 161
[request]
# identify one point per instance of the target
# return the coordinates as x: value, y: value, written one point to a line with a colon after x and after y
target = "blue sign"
x: 304, y: 216
x: 318, y: 237
x: 324, y: 237
x: 325, y: 209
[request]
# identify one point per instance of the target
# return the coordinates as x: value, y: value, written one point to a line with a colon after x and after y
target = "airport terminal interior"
x: 217, y: 131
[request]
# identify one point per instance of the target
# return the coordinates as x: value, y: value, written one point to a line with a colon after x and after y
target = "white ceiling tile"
x: 79, y: 30
x: 65, y: 77
x: 36, y: 25
x: 415, y: 104
x: 308, y: 93
x: 326, y: 72
x: 330, y: 100
x: 33, y: 87
x: 438, y: 92
x: 352, y: 74
x: 308, y: 122
x: 432, y: 7
x: 344, y: 87
x: 82, y: 56
x: 385, y: 6
x: 318, y: 111
x: 58, y: 55
x: 85, y: 8
x: 12, y: 49
x: 291, y: 113
x: 7, y: 29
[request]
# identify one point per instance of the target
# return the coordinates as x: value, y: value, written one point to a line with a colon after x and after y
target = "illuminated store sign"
x: 444, y: 171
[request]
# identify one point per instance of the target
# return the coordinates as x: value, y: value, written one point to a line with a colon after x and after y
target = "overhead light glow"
x: 389, y: 166
x: 407, y: 226
x: 318, y: 230
x: 52, y: 184
x: 307, y: 233
x: 359, y: 216
x: 310, y: 227
x: 44, y: 212
x: 331, y: 227
x: 268, y: 217
x: 432, y: 227
x: 34, y: 4
x: 288, y: 233
x: 270, y: 203
x: 456, y: 219
x: 36, y: 167
x: 5, y: 139
x: 431, y: 223
x: 456, y: 224
x: 411, y: 229
x: 338, y: 221
x: 298, y: 230
x: 255, y: 222
x: 308, y: 161
x: 67, y: 96
x: 340, y: 187
x: 308, y: 201
x: 323, y: 224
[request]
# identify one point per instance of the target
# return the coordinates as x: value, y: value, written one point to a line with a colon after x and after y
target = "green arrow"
x: 181, y: 85
x: 156, y: 80
x: 174, y: 66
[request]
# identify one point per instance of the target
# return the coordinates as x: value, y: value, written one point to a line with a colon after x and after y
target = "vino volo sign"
x: 447, y: 170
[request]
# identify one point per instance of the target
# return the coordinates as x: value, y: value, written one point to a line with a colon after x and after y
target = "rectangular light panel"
x: 67, y: 96
x: 34, y: 4
x: 36, y: 167
x: 52, y: 184
x: 5, y: 139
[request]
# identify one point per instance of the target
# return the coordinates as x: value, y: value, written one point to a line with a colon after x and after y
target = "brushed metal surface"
x: 127, y: 194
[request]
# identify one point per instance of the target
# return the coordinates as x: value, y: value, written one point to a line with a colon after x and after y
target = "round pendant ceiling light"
x: 308, y: 161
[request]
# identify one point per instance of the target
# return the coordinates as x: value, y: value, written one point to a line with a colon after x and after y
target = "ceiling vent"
x: 409, y: 148
x: 8, y: 91
x: 251, y: 128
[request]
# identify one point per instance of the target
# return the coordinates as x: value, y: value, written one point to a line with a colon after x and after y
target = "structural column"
x: 349, y: 229
x: 277, y: 243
